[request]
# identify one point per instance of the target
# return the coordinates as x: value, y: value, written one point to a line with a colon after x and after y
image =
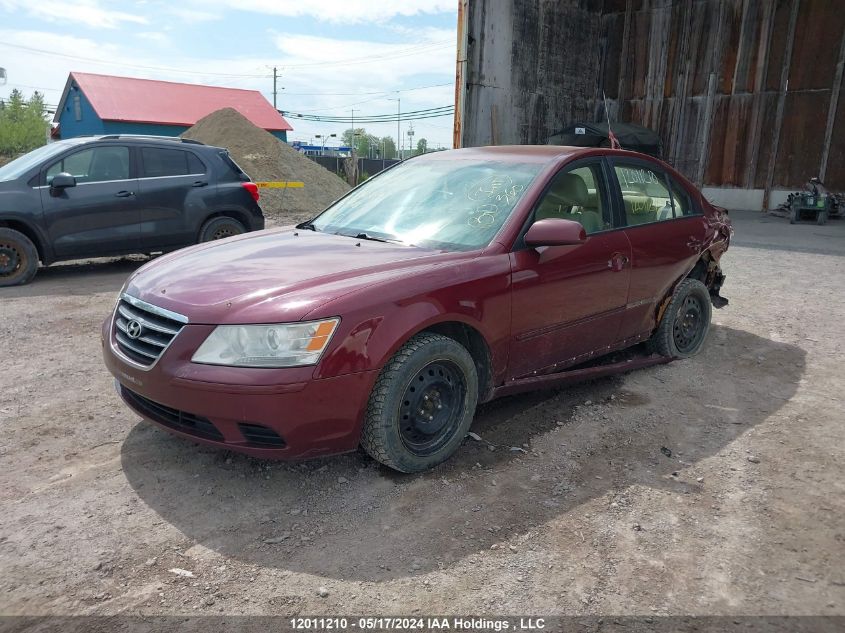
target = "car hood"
x: 272, y: 276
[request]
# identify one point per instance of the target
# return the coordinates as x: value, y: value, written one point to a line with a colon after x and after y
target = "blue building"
x: 103, y: 104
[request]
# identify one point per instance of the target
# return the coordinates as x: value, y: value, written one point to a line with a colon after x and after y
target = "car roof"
x: 136, y: 138
x: 526, y: 153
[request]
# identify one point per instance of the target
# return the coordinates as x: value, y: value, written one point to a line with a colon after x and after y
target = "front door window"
x: 95, y: 164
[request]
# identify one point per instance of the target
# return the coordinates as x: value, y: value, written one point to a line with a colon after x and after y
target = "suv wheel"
x: 422, y: 404
x: 219, y: 228
x: 18, y: 258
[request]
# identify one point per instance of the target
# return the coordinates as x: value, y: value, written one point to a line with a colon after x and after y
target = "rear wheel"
x: 220, y: 228
x: 422, y: 404
x: 685, y: 322
x: 18, y: 258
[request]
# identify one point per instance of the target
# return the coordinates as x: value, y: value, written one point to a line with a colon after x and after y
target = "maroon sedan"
x: 448, y: 280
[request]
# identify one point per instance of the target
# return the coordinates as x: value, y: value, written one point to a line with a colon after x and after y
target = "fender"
x: 23, y: 224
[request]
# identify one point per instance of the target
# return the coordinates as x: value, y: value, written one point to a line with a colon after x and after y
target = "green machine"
x: 814, y: 203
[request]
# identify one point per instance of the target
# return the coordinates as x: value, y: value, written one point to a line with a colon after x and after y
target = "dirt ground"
x: 709, y: 486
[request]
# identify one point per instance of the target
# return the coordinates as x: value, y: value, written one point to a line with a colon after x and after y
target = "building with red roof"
x: 104, y: 104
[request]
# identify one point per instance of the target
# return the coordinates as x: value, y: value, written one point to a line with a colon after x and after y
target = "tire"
x: 422, y: 404
x: 219, y: 228
x: 18, y: 258
x: 821, y: 218
x: 685, y: 323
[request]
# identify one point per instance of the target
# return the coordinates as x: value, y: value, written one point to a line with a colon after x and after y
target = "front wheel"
x: 18, y: 258
x: 422, y: 404
x: 219, y: 228
x: 685, y: 322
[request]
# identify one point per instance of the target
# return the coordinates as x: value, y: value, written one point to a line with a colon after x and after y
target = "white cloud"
x: 87, y: 12
x: 340, y: 11
x: 192, y: 16
x: 154, y: 36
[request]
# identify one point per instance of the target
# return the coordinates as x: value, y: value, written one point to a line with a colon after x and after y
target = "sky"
x: 332, y: 55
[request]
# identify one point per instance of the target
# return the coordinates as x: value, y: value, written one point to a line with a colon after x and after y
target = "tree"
x: 23, y: 125
x: 364, y: 142
x: 422, y: 146
x: 389, y: 147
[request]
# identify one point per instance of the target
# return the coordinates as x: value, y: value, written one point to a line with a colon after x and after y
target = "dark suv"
x: 115, y: 195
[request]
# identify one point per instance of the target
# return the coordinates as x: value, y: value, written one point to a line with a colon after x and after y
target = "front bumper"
x: 267, y: 413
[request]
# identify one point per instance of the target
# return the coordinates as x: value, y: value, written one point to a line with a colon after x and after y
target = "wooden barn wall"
x: 744, y: 93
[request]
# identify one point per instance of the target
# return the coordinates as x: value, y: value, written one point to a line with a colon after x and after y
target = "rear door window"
x: 645, y: 194
x: 681, y: 199
x: 157, y: 162
x: 195, y: 165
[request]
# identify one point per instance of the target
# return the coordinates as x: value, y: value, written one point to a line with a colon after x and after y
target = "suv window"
x: 577, y: 194
x: 644, y: 194
x: 95, y: 164
x: 157, y: 162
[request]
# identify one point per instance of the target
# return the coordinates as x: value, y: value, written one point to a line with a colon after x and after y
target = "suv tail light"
x: 253, y: 190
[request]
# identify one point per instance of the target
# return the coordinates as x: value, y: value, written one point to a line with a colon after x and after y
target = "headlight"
x: 282, y: 345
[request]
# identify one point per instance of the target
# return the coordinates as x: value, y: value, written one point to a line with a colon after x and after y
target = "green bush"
x: 23, y: 125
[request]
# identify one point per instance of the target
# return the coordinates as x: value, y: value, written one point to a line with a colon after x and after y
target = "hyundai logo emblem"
x: 133, y: 329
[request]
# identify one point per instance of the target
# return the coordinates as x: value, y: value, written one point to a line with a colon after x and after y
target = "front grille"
x: 143, y: 331
x: 261, y: 436
x: 173, y: 418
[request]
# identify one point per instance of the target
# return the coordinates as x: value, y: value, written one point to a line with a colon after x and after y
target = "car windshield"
x: 453, y: 205
x: 21, y: 165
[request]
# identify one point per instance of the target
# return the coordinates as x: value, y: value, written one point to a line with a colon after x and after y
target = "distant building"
x: 320, y: 150
x: 103, y: 104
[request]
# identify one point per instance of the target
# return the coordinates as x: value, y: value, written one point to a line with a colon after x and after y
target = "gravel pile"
x: 266, y: 158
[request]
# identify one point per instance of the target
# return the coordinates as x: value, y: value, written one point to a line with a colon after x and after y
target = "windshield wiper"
x: 307, y: 225
x: 372, y: 238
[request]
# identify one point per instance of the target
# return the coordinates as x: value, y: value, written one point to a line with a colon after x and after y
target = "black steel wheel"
x: 18, y: 258
x: 431, y: 407
x: 685, y: 323
x: 687, y: 327
x: 422, y: 404
x: 220, y: 228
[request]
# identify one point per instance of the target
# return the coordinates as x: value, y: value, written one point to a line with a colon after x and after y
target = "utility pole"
x: 353, y: 132
x: 398, y: 119
x: 275, y: 92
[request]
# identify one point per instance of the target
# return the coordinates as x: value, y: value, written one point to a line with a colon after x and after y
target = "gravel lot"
x: 709, y: 486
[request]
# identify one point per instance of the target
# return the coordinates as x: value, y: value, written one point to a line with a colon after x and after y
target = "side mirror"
x: 555, y: 232
x: 62, y: 181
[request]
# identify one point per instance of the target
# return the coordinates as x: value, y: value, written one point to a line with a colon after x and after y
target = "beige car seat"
x: 569, y: 199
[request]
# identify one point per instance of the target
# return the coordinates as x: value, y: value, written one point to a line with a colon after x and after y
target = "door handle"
x: 617, y: 262
x: 124, y: 194
x: 200, y: 183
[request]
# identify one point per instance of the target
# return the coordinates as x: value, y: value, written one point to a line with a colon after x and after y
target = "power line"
x: 413, y: 115
x: 362, y: 94
x: 423, y: 112
x: 367, y: 59
x: 40, y: 51
x: 415, y: 50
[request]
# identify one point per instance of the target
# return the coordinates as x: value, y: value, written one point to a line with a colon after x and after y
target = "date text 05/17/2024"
x: 455, y: 623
